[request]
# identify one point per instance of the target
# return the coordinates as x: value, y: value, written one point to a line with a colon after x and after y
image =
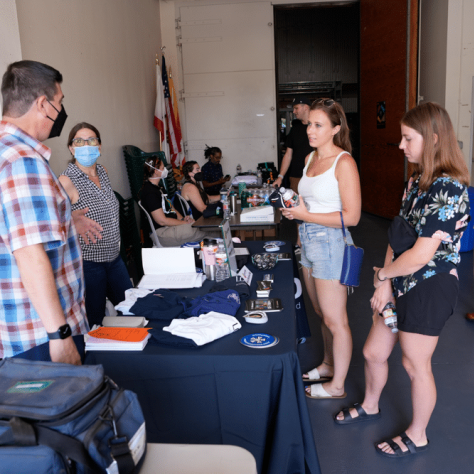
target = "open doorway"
x: 317, y: 54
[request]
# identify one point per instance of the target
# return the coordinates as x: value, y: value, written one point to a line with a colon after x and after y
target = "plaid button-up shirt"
x: 34, y: 208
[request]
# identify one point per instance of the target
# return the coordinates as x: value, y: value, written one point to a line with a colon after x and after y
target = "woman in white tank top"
x: 330, y: 185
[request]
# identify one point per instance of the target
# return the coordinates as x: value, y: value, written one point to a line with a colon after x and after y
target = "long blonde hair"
x: 441, y: 156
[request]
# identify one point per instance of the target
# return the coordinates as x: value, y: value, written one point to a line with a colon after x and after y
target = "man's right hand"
x: 65, y: 351
x: 87, y: 228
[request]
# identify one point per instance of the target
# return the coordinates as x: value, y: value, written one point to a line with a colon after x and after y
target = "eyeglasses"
x: 93, y: 141
x: 325, y: 102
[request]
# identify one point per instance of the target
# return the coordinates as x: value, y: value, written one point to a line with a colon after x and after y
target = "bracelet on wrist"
x: 378, y: 276
x: 281, y: 176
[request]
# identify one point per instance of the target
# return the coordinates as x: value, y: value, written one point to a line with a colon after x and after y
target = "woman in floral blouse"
x: 422, y: 280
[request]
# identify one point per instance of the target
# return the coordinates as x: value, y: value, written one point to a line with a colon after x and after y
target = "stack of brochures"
x: 116, y: 339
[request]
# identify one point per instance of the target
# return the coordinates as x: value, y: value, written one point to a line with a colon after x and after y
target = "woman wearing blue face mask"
x: 88, y: 187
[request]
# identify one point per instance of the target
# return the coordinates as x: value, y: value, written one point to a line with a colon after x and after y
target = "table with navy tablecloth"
x: 224, y: 392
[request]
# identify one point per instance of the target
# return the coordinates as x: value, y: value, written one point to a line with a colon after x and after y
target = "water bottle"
x: 290, y: 198
x: 390, y: 316
x: 238, y: 169
x: 259, y: 178
x: 225, y: 203
x: 266, y: 194
x: 209, y: 249
x: 222, y: 264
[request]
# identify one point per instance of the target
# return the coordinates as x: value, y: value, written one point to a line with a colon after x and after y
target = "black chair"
x: 130, y: 245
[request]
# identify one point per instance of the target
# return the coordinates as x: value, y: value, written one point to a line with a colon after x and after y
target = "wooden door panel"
x: 383, y: 77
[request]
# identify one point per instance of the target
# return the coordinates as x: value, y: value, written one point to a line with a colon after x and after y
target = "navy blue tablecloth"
x: 224, y: 392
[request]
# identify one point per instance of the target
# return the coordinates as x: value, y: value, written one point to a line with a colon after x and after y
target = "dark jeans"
x: 104, y: 279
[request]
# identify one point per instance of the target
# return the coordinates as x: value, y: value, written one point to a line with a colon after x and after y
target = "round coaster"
x: 256, y: 317
x: 271, y: 248
x: 259, y: 340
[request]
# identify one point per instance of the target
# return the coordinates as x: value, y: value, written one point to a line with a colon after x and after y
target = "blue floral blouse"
x: 441, y: 213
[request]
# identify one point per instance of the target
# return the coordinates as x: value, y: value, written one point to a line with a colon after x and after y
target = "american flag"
x: 181, y: 158
x: 174, y: 134
x: 159, y: 120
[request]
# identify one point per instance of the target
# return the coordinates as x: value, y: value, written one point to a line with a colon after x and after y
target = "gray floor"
x: 349, y: 449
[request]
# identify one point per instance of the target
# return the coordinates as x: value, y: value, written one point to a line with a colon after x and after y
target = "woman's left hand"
x: 188, y: 219
x: 299, y: 212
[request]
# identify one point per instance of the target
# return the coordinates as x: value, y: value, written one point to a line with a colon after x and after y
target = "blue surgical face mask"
x: 86, y: 155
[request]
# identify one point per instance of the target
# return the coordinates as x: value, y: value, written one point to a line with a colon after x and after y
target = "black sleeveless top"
x: 195, y: 212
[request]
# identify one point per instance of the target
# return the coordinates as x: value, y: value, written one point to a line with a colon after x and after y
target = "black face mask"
x: 58, y: 123
x: 198, y: 176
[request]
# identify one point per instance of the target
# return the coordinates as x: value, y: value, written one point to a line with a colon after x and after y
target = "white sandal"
x: 317, y: 391
x: 313, y: 376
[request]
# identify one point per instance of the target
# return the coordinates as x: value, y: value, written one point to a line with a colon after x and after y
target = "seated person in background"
x: 192, y: 189
x: 171, y: 227
x: 88, y: 187
x: 213, y: 178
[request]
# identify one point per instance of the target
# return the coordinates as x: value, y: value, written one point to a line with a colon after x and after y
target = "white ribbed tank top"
x: 321, y: 193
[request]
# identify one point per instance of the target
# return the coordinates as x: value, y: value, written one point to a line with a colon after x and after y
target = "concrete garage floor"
x: 349, y: 449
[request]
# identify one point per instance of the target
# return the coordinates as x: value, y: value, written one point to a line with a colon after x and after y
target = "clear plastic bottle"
x: 222, y: 263
x: 238, y: 169
x: 389, y: 315
x: 259, y: 178
x: 290, y: 198
x: 225, y: 203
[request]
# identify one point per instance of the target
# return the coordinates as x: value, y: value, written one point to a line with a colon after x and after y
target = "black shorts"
x: 426, y: 307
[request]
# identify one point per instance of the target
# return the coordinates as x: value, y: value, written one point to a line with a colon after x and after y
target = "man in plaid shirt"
x: 41, y: 278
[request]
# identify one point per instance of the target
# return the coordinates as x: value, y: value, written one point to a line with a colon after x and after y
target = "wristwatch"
x: 63, y: 332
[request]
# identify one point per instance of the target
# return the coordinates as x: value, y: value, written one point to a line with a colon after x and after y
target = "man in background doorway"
x: 297, y: 144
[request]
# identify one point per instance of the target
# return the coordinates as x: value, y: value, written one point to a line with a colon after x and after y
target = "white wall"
x: 10, y: 49
x: 432, y: 50
x: 447, y: 63
x: 106, y: 52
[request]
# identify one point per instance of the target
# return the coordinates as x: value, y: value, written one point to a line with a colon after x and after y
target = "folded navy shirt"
x: 227, y: 302
x: 163, y: 305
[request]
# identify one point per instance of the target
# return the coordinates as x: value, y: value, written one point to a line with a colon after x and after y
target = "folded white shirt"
x: 205, y: 328
x: 131, y: 296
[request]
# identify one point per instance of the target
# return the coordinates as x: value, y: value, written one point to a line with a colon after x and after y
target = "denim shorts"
x: 322, y: 250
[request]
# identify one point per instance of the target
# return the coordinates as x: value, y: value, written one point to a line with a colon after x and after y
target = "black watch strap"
x: 62, y: 333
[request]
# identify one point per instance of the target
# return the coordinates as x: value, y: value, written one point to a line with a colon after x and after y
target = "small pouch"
x: 352, y: 262
x: 401, y: 235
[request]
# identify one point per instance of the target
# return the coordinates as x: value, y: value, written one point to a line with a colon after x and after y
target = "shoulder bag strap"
x: 343, y: 229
